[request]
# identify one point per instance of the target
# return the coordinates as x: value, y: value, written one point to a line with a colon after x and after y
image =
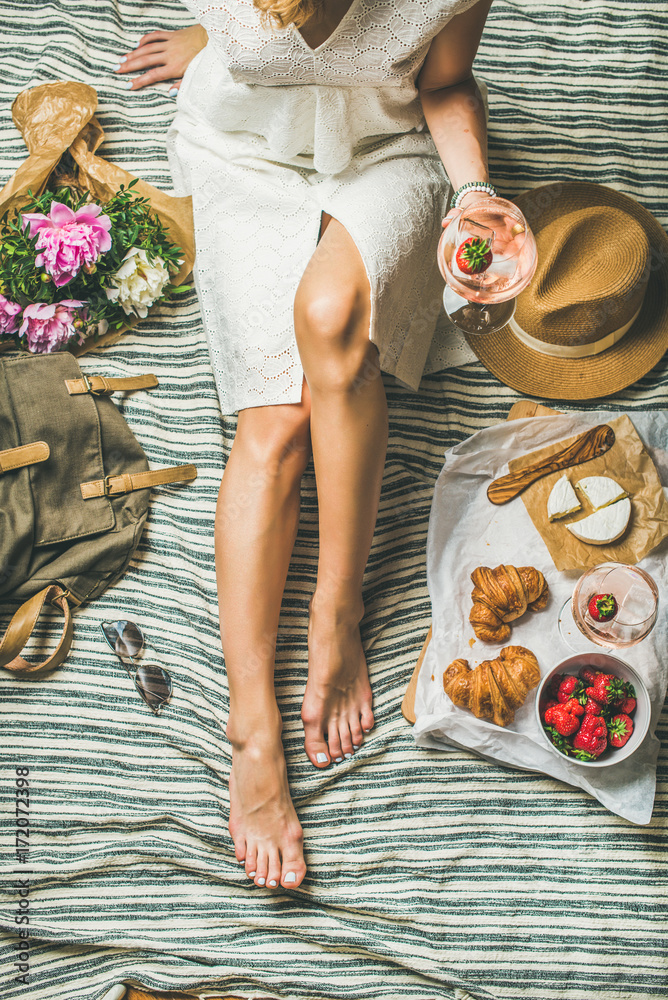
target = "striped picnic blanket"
x: 430, y: 875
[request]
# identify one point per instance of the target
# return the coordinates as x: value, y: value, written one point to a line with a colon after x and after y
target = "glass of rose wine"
x: 613, y: 605
x: 487, y: 255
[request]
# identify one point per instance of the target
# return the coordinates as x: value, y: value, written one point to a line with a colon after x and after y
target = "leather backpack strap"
x: 25, y: 454
x: 100, y: 385
x: 22, y: 626
x: 113, y: 486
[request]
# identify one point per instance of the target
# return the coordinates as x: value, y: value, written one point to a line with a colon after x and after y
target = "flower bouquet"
x: 94, y: 249
x: 72, y: 269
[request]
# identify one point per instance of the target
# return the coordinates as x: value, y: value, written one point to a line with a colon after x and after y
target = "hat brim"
x: 640, y: 349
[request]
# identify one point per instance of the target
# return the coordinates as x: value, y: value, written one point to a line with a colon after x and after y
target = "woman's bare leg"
x: 256, y: 525
x: 349, y: 440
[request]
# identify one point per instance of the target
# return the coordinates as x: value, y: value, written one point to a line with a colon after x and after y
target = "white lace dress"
x: 268, y: 134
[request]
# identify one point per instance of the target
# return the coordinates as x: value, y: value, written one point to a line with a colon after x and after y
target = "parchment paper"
x: 629, y: 464
x: 56, y: 117
x: 465, y: 531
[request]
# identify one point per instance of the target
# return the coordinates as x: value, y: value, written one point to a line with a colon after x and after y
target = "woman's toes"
x: 367, y: 719
x: 262, y: 869
x: 251, y: 862
x: 345, y: 738
x: 334, y: 740
x: 293, y: 873
x: 315, y: 746
x: 274, y: 870
x: 356, y: 733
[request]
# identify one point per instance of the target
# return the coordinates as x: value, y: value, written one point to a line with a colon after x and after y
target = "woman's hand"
x: 468, y: 199
x: 165, y: 55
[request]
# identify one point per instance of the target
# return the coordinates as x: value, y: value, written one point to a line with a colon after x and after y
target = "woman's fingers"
x: 154, y: 36
x: 149, y: 55
x: 156, y: 75
x: 165, y: 54
x: 451, y: 215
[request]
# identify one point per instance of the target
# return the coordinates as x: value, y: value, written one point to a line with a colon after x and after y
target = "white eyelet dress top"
x: 269, y: 133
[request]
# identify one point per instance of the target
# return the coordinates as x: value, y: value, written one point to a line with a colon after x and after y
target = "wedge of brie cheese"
x: 600, y: 491
x: 605, y: 525
x: 562, y: 500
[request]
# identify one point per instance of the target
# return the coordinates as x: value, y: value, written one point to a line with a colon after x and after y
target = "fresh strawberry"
x: 603, y: 607
x: 620, y: 730
x: 552, y: 689
x: 570, y: 687
x: 588, y: 674
x: 574, y: 707
x: 592, y: 737
x: 607, y: 689
x: 592, y: 707
x: 563, y: 720
x: 474, y: 255
x: 627, y: 706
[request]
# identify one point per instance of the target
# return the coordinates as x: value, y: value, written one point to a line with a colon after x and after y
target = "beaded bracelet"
x: 483, y: 186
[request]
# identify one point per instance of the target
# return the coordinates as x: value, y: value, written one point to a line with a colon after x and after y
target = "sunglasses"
x: 127, y: 641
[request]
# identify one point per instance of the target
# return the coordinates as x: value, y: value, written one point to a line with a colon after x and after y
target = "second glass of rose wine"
x: 487, y: 255
x: 613, y: 605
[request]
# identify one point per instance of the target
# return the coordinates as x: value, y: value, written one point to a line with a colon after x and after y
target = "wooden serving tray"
x: 522, y: 408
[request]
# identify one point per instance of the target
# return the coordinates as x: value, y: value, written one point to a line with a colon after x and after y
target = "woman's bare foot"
x: 336, y: 711
x: 263, y: 823
x: 164, y: 54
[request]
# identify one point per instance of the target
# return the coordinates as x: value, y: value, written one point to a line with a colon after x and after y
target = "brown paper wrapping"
x: 56, y: 117
x: 628, y: 463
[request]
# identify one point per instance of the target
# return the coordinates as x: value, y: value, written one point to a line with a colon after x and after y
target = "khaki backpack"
x: 74, y: 493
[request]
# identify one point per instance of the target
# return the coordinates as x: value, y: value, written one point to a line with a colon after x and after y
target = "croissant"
x: 500, y: 595
x: 495, y: 688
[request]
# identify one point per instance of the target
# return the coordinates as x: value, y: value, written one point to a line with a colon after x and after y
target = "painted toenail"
x: 367, y: 730
x: 261, y: 881
x: 123, y: 59
x: 173, y: 92
x: 347, y: 755
x: 128, y: 84
x: 356, y: 747
x: 321, y: 758
x: 252, y: 874
x: 114, y: 69
x: 290, y: 877
x: 338, y: 760
x: 273, y: 882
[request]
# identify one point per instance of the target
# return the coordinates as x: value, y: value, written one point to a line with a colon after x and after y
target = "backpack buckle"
x: 89, y: 386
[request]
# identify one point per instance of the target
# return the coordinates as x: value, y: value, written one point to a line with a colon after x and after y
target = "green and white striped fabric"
x: 430, y: 875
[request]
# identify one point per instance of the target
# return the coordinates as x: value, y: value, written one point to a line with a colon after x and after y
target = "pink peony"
x: 68, y: 240
x: 50, y: 327
x: 9, y: 316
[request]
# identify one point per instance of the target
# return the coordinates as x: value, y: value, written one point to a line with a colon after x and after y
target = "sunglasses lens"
x: 129, y: 640
x: 154, y: 685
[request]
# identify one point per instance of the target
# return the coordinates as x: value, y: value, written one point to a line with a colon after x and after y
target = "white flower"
x: 138, y: 283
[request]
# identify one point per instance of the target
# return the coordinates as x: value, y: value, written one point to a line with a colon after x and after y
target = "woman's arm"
x: 451, y: 101
x: 164, y: 54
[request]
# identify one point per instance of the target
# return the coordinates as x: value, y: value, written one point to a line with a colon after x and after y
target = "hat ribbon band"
x: 576, y: 350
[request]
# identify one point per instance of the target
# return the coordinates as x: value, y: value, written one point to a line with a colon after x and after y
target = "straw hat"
x: 594, y: 318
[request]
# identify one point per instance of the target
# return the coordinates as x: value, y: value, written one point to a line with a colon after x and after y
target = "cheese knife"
x: 594, y: 442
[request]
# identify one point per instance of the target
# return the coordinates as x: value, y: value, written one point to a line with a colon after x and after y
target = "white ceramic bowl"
x: 609, y: 664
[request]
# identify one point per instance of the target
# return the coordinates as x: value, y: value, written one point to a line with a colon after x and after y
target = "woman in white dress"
x: 318, y: 199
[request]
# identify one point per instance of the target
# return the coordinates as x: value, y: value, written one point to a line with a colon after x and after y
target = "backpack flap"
x: 45, y: 411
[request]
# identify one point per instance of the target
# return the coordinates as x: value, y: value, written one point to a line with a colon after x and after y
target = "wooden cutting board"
x: 522, y: 408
